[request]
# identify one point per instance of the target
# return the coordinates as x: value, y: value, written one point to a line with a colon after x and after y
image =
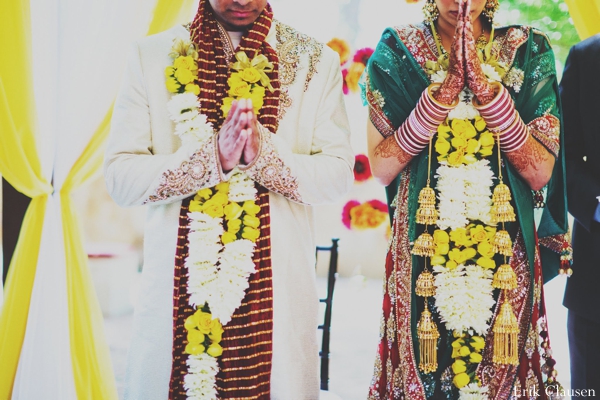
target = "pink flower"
x: 346, y: 218
x: 362, y: 168
x: 378, y: 205
x: 363, y: 55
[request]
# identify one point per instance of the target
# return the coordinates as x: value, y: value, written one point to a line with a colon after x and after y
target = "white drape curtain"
x: 79, y: 51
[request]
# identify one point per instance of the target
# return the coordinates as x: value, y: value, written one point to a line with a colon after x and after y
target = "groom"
x: 290, y: 141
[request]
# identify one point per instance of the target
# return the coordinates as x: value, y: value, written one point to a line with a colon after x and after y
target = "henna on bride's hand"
x: 389, y: 148
x: 532, y: 154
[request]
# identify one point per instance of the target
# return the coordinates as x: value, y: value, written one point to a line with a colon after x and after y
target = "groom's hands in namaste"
x: 476, y: 79
x: 238, y: 138
x: 455, y: 79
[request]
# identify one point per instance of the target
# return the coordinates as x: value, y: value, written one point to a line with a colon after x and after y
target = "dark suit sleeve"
x: 582, y: 185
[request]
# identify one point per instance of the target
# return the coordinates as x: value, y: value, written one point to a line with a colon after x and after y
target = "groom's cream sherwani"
x: 307, y: 162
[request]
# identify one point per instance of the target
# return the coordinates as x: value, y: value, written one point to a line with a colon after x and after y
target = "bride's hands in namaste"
x: 455, y: 79
x: 476, y: 79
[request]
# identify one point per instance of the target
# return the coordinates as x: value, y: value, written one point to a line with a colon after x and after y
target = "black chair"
x: 328, y: 301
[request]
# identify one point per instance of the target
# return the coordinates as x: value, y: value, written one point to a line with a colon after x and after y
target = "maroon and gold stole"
x: 245, y: 365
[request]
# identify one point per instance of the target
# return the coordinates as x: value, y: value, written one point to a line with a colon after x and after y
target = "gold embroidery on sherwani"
x: 291, y: 44
x: 190, y: 176
x: 270, y: 171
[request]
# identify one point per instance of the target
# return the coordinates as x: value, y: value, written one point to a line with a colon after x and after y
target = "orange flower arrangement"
x: 362, y: 216
x: 341, y: 47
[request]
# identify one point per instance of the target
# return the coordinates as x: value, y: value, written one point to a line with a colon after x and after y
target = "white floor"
x: 354, y: 337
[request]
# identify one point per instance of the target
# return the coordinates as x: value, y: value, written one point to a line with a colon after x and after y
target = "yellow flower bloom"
x: 226, y: 106
x: 222, y: 187
x: 459, y: 366
x: 220, y: 198
x: 486, y: 151
x: 195, y: 206
x: 486, y: 139
x: 195, y: 336
x: 478, y: 234
x: 455, y: 158
x: 478, y: 343
x: 194, y: 349
x: 241, y: 89
x: 475, y: 358
x: 250, y: 207
x: 228, y: 237
x: 191, y: 322
x: 460, y: 238
x: 451, y: 264
x: 491, y: 232
x: 204, y: 321
x: 479, y: 123
x: 456, y: 255
x: 469, y: 253
x: 442, y: 146
x: 458, y: 343
x: 461, y: 380
x: 250, y: 233
x: 438, y: 260
x: 459, y: 143
x: 235, y: 79
x: 216, y: 331
x: 455, y: 353
x: 203, y: 194
x: 463, y: 128
x: 464, y: 351
x: 458, y: 334
x: 250, y: 75
x: 215, y: 350
x: 172, y: 85
x: 473, y: 146
x: 442, y: 248
x: 486, y: 263
x: 184, y: 76
x: 233, y: 211
x: 234, y: 225
x: 185, y: 62
x: 444, y: 130
x: 486, y: 249
x: 192, y: 88
x: 213, y: 209
x: 169, y: 71
x: 440, y: 236
x: 251, y: 221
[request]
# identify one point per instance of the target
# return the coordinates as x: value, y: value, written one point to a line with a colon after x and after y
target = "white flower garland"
x: 464, y: 295
x: 217, y: 274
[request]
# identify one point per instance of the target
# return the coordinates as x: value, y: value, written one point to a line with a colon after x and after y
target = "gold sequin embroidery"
x: 270, y: 171
x: 190, y: 176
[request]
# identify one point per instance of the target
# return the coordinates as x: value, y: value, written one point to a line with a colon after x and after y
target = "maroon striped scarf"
x: 245, y: 366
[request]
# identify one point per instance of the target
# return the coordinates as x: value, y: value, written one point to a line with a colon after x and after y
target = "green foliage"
x: 549, y: 16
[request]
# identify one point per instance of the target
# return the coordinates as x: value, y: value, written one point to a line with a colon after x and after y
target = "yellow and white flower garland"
x: 463, y: 263
x: 223, y: 221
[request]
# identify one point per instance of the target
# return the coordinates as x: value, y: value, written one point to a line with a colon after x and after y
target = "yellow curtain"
x: 586, y: 16
x: 89, y: 355
x: 20, y: 165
